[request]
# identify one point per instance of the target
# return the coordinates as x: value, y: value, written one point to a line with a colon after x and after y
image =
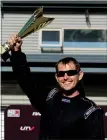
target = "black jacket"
x: 65, y: 118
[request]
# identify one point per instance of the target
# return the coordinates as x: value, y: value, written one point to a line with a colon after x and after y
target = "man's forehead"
x: 70, y: 64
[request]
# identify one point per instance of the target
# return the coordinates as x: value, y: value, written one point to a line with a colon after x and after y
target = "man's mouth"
x: 67, y: 83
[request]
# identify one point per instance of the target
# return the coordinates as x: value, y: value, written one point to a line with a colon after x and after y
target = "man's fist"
x: 15, y: 42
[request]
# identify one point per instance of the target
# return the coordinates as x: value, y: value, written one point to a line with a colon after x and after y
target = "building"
x: 79, y: 30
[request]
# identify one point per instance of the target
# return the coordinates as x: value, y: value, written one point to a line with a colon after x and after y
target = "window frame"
x: 81, y: 48
x: 53, y: 45
x: 60, y: 48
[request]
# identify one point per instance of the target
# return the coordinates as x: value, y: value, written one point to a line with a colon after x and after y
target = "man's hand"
x: 15, y: 42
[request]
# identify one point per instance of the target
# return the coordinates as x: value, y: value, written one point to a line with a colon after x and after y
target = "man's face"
x: 68, y: 81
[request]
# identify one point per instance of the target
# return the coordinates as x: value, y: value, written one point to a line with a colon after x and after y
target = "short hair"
x: 67, y: 60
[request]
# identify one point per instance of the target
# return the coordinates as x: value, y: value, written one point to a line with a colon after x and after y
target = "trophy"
x: 35, y: 23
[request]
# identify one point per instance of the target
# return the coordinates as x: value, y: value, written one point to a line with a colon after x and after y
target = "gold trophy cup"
x: 35, y: 23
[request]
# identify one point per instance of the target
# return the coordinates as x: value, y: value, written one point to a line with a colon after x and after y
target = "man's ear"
x: 81, y: 73
x: 56, y: 77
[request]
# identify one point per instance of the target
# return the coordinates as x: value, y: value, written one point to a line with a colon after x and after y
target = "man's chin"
x: 68, y: 91
x: 67, y: 88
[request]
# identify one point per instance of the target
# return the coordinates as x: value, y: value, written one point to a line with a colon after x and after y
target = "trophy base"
x: 4, y: 51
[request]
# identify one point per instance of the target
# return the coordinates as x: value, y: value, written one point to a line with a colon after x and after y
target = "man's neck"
x: 76, y: 93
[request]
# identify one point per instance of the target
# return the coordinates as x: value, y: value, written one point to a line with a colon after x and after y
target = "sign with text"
x: 21, y: 123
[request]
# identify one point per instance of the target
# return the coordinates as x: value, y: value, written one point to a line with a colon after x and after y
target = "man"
x: 65, y: 111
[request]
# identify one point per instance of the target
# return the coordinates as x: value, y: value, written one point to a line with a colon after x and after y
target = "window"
x: 51, y: 40
x: 75, y: 41
x: 85, y: 38
x: 50, y: 37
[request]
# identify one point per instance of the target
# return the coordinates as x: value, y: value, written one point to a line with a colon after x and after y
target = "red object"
x: 22, y: 122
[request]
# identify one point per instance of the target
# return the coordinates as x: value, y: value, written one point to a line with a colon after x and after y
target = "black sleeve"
x: 5, y: 56
x: 94, y: 126
x: 26, y: 81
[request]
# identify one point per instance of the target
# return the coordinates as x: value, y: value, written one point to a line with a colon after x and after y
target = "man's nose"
x: 65, y: 76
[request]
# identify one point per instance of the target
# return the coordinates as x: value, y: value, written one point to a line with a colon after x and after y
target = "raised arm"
x: 23, y: 74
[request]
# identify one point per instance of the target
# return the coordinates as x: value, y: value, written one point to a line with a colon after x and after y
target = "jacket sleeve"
x: 26, y: 81
x: 94, y: 126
